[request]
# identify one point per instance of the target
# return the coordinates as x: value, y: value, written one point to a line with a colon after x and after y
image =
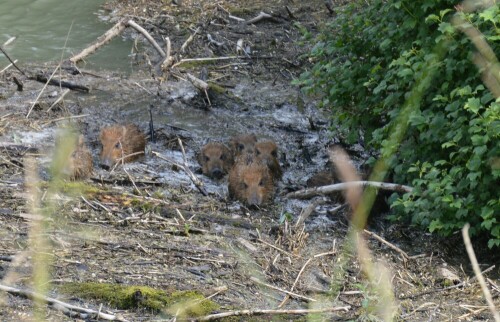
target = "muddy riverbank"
x: 147, y: 224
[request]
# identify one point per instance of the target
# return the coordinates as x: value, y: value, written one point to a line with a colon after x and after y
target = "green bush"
x: 367, y: 62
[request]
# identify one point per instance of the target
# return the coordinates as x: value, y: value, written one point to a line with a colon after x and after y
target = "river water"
x: 41, y: 28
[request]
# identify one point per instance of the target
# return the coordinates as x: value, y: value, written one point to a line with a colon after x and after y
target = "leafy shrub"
x: 366, y: 63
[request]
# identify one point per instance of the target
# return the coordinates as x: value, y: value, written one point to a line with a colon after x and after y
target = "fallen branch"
x: 59, y: 304
x: 208, y: 59
x: 101, y: 41
x: 300, y: 273
x: 270, y: 312
x: 50, y: 81
x: 260, y: 16
x: 197, y: 182
x: 309, y: 192
x: 143, y: 31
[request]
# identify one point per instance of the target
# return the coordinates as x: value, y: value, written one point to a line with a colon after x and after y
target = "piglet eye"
x: 223, y: 157
x: 261, y: 182
x: 206, y: 158
x: 118, y: 145
x: 274, y: 153
x: 257, y: 152
x: 244, y: 186
x: 241, y: 147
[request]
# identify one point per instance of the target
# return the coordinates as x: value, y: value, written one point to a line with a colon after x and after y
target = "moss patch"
x: 182, y: 303
x: 77, y: 188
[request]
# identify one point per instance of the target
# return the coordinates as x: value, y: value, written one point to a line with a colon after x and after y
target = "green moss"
x: 182, y: 303
x: 243, y: 11
x: 74, y: 188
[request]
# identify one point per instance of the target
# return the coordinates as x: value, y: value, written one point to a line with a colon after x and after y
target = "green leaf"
x: 473, y: 105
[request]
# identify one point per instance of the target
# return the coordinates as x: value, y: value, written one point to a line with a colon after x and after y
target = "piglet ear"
x: 124, y: 131
x: 81, y: 140
x: 103, y: 134
x: 254, y: 137
x: 205, y: 141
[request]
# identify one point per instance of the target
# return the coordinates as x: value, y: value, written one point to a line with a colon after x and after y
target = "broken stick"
x: 309, y: 192
x: 117, y: 29
x: 101, y: 41
x: 200, y: 85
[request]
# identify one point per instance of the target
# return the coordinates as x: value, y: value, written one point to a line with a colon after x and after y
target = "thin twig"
x: 59, y: 99
x: 300, y: 273
x: 11, y: 61
x: 277, y: 248
x: 380, y: 239
x: 43, y: 88
x: 8, y: 66
x: 477, y: 271
x: 271, y: 312
x: 189, y: 40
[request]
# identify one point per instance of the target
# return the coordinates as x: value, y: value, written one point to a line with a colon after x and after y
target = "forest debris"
x: 41, y: 91
x: 215, y: 42
x: 448, y: 276
x: 412, y: 296
x: 59, y: 99
x: 143, y: 31
x: 20, y: 85
x: 101, y: 41
x: 305, y: 298
x: 272, y: 312
x: 59, y: 305
x: 8, y: 66
x: 261, y: 16
x: 189, y: 40
x: 11, y: 61
x: 380, y: 239
x: 309, y: 192
x: 200, y: 85
x: 306, y: 212
x: 477, y: 271
x: 169, y: 59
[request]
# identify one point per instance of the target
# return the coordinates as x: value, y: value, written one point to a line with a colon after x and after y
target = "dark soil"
x: 147, y: 224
